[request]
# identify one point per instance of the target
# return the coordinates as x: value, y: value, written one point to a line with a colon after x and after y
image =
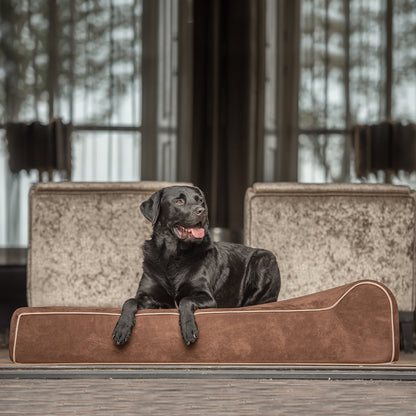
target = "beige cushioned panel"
x: 85, y: 242
x: 330, y: 234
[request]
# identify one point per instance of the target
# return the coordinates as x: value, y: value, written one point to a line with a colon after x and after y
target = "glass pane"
x: 367, y: 61
x: 324, y: 158
x: 270, y: 92
x: 404, y: 61
x: 405, y: 178
x: 323, y: 64
x: 270, y: 84
x: 106, y: 156
x: 3, y: 203
x: 335, y: 62
x: 269, y: 157
x: 93, y: 71
x: 14, y: 190
x: 23, y: 61
x: 105, y: 83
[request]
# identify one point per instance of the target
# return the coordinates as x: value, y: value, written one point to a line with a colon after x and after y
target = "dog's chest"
x: 170, y: 274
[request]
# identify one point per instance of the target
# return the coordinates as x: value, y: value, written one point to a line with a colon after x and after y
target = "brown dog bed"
x: 351, y: 324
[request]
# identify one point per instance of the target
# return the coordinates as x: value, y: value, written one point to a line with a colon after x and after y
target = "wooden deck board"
x: 206, y: 397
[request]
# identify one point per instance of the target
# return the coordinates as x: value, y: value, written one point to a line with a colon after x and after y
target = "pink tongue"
x: 197, y: 232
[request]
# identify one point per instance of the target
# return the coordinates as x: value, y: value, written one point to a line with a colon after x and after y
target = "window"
x: 357, y: 64
x: 341, y: 82
x: 93, y: 63
x: 357, y: 67
x: 79, y: 61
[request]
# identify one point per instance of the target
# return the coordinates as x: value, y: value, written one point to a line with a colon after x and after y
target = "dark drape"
x: 228, y: 102
x: 44, y: 147
x: 387, y: 146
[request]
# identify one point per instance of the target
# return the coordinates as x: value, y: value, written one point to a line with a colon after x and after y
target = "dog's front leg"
x: 148, y: 296
x: 125, y: 324
x: 187, y: 306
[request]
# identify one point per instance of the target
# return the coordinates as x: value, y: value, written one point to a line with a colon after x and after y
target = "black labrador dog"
x: 184, y: 268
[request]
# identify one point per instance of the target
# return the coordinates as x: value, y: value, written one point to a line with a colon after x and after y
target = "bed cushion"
x: 85, y: 242
x: 355, y: 323
x: 326, y: 235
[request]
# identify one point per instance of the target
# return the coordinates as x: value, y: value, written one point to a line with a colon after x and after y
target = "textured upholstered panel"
x: 355, y: 323
x: 85, y: 242
x: 326, y: 235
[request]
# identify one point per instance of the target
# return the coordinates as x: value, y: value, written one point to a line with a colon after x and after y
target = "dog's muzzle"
x: 195, y: 232
x: 191, y: 233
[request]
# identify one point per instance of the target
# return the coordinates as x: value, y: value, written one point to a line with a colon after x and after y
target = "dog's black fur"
x: 184, y: 268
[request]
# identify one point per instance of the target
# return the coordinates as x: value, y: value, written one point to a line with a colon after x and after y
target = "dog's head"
x: 180, y: 209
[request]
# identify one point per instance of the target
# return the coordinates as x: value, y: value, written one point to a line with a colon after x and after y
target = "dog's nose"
x: 200, y: 210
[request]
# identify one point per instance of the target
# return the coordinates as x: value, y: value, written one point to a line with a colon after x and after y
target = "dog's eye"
x: 179, y: 201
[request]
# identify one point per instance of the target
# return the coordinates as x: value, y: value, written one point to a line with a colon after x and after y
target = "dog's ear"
x: 151, y: 207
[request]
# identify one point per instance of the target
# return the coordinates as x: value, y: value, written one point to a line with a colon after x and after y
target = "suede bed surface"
x: 325, y: 235
x: 352, y: 324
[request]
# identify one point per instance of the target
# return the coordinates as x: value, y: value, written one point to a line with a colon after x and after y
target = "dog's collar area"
x: 193, y: 233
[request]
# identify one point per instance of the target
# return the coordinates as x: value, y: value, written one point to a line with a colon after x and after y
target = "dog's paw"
x: 189, y: 331
x: 122, y: 332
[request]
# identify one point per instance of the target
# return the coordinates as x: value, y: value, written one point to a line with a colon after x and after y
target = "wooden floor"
x: 206, y: 397
x: 92, y: 396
